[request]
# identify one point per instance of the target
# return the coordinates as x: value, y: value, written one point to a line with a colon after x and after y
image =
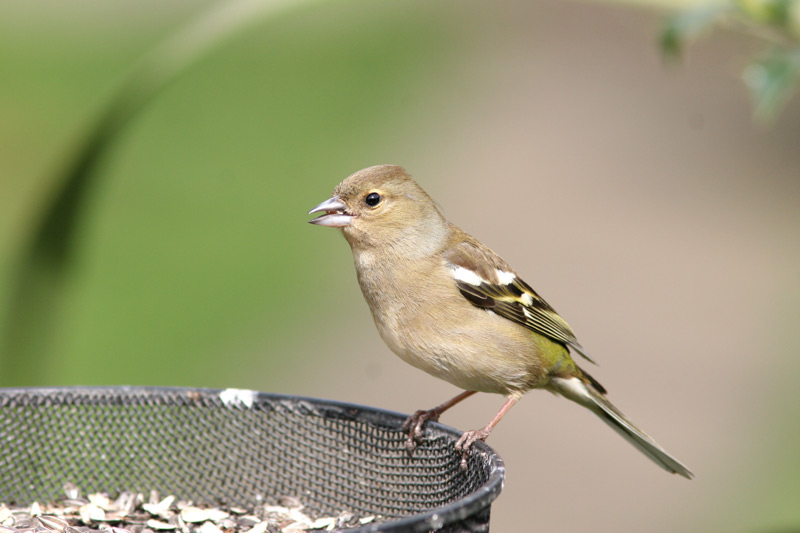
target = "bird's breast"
x: 422, y: 318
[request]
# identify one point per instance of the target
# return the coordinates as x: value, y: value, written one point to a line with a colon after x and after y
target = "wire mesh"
x: 241, y: 448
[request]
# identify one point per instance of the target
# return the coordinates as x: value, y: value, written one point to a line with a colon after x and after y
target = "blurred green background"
x: 639, y: 198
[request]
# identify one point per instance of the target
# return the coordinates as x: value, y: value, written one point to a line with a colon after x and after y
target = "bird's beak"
x: 335, y: 215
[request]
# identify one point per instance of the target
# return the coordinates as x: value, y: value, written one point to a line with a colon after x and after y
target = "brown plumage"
x: 452, y: 307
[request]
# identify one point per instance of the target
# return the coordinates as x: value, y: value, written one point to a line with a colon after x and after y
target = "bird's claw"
x: 465, y: 442
x: 413, y: 426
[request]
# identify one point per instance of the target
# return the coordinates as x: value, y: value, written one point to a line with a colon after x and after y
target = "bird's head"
x: 380, y: 205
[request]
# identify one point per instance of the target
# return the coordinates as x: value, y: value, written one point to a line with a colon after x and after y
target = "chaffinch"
x: 450, y: 306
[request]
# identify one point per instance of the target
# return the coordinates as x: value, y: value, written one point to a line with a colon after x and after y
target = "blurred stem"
x: 763, y: 32
x: 34, y: 305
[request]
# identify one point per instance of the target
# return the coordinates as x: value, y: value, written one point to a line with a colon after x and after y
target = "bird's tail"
x: 589, y: 393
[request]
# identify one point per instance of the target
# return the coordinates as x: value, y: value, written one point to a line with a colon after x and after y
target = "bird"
x: 450, y: 306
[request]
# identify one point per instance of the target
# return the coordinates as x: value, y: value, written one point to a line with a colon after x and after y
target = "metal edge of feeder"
x: 431, y: 520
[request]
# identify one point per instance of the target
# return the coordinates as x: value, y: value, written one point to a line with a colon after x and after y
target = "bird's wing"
x: 488, y: 282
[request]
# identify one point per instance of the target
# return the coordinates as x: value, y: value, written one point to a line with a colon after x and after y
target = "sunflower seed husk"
x: 6, y: 517
x: 52, y: 523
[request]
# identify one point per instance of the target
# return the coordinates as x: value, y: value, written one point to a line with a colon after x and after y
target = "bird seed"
x: 131, y: 512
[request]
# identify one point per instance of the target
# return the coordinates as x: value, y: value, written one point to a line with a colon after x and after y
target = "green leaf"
x: 774, y: 12
x: 772, y: 81
x: 685, y: 26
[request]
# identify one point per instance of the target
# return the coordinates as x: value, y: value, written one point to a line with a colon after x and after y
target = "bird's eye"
x: 372, y: 199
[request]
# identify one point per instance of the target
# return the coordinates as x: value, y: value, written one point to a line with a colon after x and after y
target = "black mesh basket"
x: 242, y: 448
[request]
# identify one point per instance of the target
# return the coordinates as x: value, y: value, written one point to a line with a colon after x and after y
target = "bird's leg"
x: 464, y: 444
x: 413, y: 424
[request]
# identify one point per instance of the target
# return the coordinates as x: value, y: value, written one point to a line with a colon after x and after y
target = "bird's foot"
x: 413, y: 426
x: 464, y: 444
